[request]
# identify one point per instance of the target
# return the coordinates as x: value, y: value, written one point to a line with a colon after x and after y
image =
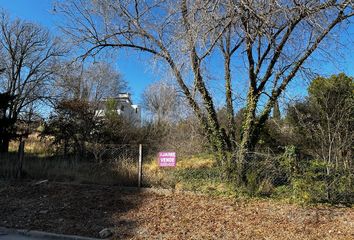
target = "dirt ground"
x: 85, y: 210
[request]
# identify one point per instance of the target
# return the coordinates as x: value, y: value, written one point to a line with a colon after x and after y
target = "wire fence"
x: 287, y: 175
x: 113, y: 153
x: 265, y: 174
x: 102, y: 164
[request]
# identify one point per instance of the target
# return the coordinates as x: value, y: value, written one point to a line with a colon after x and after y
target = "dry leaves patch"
x: 85, y: 210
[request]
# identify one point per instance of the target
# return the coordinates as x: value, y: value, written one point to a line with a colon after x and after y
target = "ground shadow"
x: 68, y: 208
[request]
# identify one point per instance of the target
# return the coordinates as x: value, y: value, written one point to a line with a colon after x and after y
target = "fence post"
x: 140, y: 165
x: 21, y: 153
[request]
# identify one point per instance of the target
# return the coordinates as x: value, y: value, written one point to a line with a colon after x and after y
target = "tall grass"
x: 60, y: 168
x: 42, y: 162
x: 196, y: 173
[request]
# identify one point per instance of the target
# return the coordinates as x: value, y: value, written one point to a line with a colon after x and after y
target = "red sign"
x: 167, y: 159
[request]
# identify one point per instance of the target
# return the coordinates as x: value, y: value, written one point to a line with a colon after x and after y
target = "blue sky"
x: 135, y: 68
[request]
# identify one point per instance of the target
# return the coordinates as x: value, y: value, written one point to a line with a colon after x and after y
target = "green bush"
x: 314, y: 184
x: 308, y: 190
x: 341, y: 188
x: 198, y: 174
x: 252, y: 183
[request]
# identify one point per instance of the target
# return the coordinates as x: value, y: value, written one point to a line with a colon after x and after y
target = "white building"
x: 125, y: 108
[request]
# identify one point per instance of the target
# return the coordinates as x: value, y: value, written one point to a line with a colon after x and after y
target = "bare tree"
x: 279, y: 38
x: 93, y: 82
x: 160, y: 28
x: 103, y: 81
x: 28, y: 53
x: 162, y: 101
x: 229, y: 44
x: 274, y: 37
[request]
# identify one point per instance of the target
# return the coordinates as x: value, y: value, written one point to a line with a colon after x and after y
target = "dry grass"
x: 42, y: 163
x: 195, y: 173
x: 65, y: 169
x: 39, y: 163
x: 34, y: 145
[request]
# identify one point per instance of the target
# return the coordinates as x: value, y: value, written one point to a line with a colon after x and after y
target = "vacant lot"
x: 85, y: 210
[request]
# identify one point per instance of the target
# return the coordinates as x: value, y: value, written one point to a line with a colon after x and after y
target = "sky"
x: 135, y: 68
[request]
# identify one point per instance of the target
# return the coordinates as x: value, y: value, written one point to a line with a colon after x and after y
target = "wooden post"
x: 21, y: 154
x: 140, y: 165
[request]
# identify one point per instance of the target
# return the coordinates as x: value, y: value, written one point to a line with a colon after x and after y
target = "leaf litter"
x: 87, y: 209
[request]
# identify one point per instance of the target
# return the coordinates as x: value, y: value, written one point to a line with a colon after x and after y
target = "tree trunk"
x: 276, y: 111
x: 249, y: 123
x: 215, y: 133
x: 247, y: 145
x: 4, y: 148
x: 229, y: 106
x: 252, y: 129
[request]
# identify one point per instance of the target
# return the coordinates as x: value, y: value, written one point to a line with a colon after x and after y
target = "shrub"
x: 318, y: 182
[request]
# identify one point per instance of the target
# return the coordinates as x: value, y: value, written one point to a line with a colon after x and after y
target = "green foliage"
x: 197, y: 173
x: 111, y: 108
x: 341, y: 189
x: 310, y: 186
x: 252, y: 182
x: 77, y: 130
x: 313, y: 184
x: 308, y: 190
x: 271, y: 137
x: 283, y: 192
x: 328, y: 113
x: 323, y: 129
x: 71, y: 125
x: 339, y: 87
x: 200, y: 174
x: 288, y: 160
x: 205, y: 180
